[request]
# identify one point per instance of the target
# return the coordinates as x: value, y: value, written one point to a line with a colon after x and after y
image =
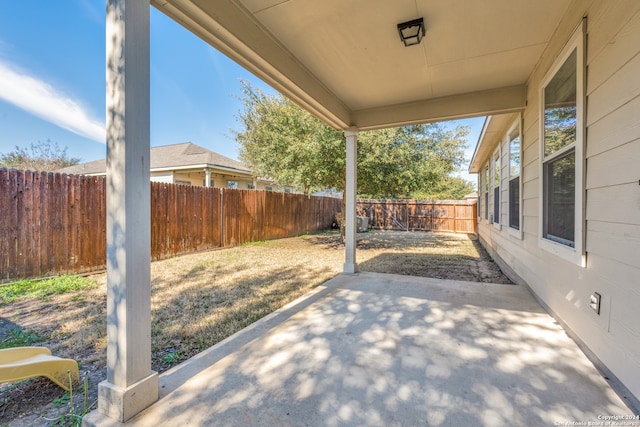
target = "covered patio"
x: 387, y: 350
x: 365, y: 349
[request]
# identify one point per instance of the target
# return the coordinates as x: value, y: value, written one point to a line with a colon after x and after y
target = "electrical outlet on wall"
x: 594, y: 302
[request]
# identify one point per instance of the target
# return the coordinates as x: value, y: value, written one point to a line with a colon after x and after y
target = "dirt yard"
x: 199, y: 299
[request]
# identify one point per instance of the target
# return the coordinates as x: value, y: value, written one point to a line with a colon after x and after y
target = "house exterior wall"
x: 197, y: 178
x: 218, y: 180
x: 612, y: 209
x: 270, y: 186
x: 166, y: 177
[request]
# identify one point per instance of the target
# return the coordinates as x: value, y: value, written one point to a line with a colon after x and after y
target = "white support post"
x: 207, y: 179
x: 131, y: 385
x: 350, y: 265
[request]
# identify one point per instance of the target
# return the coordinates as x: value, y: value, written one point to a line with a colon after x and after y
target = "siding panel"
x: 611, y: 25
x: 620, y: 204
x: 616, y: 242
x: 614, y: 129
x: 530, y: 189
x: 619, y: 166
x: 621, y: 88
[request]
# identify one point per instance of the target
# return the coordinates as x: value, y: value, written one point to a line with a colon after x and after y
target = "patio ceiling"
x: 344, y: 61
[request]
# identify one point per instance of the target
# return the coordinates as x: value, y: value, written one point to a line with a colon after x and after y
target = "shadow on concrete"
x: 387, y: 350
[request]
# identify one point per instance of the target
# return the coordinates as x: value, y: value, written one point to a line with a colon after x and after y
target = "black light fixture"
x: 411, y: 32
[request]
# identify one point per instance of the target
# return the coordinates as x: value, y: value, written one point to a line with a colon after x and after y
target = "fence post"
x: 455, y: 218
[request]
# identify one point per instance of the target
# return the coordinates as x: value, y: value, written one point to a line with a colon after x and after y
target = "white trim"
x: 485, y: 126
x: 576, y: 254
x: 130, y: 384
x: 486, y: 194
x: 516, y: 128
x: 200, y: 166
x: 350, y: 194
x: 496, y: 153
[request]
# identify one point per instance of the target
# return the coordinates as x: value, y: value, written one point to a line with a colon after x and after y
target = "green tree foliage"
x: 451, y: 188
x: 409, y: 162
x: 281, y: 141
x: 43, y: 156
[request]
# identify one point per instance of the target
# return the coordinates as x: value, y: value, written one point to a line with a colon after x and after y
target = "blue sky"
x: 52, y: 82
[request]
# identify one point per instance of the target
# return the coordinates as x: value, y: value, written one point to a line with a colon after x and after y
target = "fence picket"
x: 52, y: 223
x: 443, y: 215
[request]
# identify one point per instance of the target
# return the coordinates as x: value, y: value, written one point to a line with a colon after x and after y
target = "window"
x: 269, y: 188
x: 514, y: 179
x: 486, y: 193
x: 560, y: 199
x: 559, y: 154
x: 496, y: 187
x: 251, y: 187
x: 562, y: 119
x: 232, y: 184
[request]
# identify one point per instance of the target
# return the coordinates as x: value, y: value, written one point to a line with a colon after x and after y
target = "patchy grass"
x: 198, y: 300
x: 256, y: 243
x: 43, y: 289
x: 19, y: 338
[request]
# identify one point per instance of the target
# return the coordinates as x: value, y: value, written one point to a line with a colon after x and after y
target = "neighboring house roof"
x: 168, y: 157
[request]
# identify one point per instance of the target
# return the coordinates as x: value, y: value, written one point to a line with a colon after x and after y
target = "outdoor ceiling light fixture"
x: 411, y: 32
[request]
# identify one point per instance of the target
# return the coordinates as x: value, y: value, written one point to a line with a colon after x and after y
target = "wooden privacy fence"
x: 444, y: 215
x: 52, y: 223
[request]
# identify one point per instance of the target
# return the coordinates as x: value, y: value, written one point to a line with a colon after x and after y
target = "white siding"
x: 184, y: 177
x: 166, y: 177
x: 612, y: 194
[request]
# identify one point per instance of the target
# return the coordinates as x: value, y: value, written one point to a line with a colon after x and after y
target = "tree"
x: 45, y: 156
x: 451, y: 188
x: 408, y: 161
x: 281, y: 141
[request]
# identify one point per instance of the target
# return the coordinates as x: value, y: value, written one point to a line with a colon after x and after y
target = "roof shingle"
x: 166, y: 157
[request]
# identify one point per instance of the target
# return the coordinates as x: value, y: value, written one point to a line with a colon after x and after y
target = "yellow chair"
x: 20, y: 363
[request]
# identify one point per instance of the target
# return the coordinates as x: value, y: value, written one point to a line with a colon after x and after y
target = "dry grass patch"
x: 200, y: 299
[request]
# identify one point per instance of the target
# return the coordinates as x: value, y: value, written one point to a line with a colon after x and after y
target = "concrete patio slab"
x: 386, y: 350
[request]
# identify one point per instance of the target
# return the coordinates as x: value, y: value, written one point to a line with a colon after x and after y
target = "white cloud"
x: 42, y: 100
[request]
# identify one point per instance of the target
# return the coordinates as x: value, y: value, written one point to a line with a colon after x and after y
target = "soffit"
x: 344, y: 62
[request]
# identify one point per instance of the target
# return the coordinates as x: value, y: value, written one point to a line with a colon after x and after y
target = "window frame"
x: 515, y: 130
x: 496, y: 165
x: 575, y: 254
x: 486, y: 192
